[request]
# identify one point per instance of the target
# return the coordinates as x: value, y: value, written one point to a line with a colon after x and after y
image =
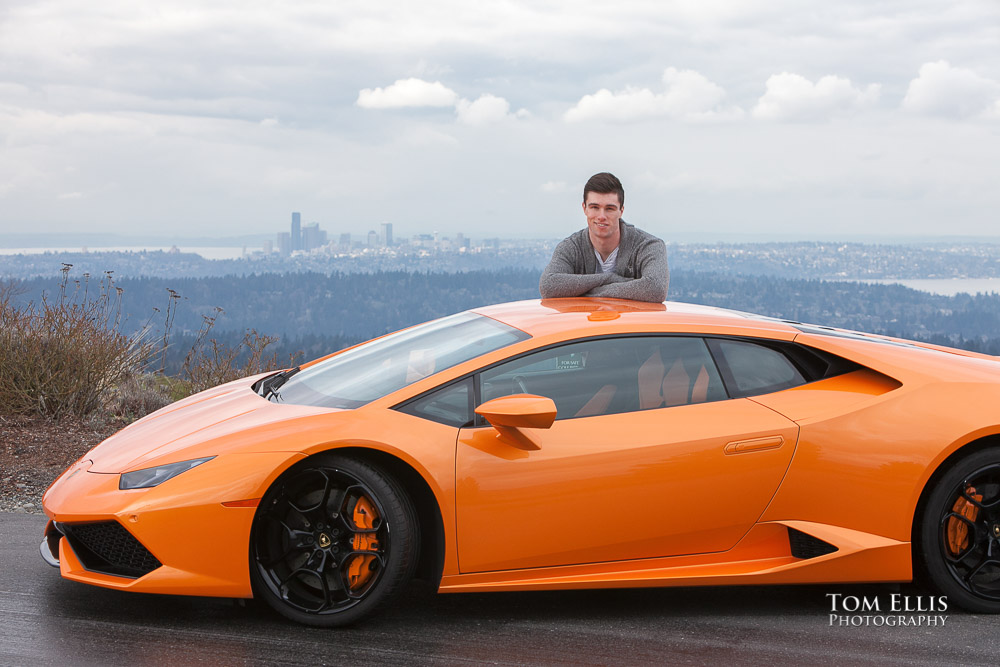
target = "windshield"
x: 382, y: 366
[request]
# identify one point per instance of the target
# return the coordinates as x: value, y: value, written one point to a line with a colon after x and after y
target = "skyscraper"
x: 387, y: 234
x: 296, y: 231
x: 313, y: 237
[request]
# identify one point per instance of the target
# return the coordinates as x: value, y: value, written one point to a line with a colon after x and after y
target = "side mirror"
x: 507, y: 414
x: 519, y: 411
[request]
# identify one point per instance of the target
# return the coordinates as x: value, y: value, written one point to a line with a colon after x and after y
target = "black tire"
x: 334, y: 540
x: 960, y: 533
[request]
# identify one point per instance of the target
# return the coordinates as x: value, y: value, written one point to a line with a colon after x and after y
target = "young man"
x: 610, y: 257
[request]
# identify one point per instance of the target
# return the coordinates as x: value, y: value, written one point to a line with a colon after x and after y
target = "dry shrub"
x: 64, y: 358
x: 211, y: 363
x: 138, y: 395
x: 70, y: 357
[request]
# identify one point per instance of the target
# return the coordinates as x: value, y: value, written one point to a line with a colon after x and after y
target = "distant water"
x: 945, y: 286
x: 206, y: 252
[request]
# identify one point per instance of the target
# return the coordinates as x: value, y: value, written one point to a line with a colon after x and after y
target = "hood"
x: 192, y: 428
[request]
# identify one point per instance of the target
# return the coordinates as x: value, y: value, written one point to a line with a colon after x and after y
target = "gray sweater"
x: 641, y: 271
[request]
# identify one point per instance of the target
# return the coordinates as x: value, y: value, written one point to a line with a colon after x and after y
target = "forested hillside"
x: 316, y: 313
x: 828, y: 260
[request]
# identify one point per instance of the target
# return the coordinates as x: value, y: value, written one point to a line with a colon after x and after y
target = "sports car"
x: 554, y: 444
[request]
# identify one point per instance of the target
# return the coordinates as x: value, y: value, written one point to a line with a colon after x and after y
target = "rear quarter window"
x: 756, y: 369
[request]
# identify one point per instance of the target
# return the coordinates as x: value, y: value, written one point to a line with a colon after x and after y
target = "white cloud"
x: 690, y: 93
x: 553, y: 186
x: 943, y: 90
x: 407, y: 93
x: 793, y: 97
x: 629, y: 104
x: 688, y: 96
x: 485, y: 110
x: 412, y: 92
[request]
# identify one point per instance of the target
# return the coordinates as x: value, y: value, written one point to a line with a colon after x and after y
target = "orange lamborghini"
x: 567, y: 443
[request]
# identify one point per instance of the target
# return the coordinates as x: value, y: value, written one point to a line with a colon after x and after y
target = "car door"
x: 648, y: 457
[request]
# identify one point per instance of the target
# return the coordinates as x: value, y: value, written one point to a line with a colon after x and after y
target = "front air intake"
x: 805, y: 546
x: 107, y: 547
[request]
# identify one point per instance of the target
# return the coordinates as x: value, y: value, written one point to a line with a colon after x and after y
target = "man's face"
x: 603, y: 213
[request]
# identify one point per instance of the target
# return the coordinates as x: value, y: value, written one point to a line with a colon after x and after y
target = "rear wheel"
x: 960, y: 533
x: 334, y: 539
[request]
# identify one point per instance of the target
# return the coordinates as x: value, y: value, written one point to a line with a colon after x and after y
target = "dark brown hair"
x: 605, y: 183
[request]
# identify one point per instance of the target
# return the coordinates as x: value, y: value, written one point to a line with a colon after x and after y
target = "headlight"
x: 150, y: 477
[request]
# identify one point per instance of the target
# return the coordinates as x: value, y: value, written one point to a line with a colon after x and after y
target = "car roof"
x: 552, y: 316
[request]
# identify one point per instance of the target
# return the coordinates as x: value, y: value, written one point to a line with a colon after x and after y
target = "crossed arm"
x: 560, y: 280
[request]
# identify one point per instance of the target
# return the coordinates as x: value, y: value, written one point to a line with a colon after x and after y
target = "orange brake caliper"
x: 359, y: 569
x: 958, y: 530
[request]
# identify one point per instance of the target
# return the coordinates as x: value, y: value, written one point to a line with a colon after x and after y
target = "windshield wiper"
x: 269, y: 385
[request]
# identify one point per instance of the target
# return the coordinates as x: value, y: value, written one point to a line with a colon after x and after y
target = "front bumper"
x: 188, y: 536
x: 104, y: 547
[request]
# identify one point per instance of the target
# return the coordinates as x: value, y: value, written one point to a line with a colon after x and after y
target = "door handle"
x: 755, y: 445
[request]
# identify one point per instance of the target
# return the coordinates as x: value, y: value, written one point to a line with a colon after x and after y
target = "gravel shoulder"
x: 34, y: 451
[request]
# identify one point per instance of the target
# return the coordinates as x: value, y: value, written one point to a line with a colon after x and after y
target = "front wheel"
x: 960, y: 533
x: 334, y: 539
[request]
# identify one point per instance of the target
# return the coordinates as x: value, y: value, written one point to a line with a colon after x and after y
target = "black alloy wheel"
x: 960, y: 533
x: 334, y: 539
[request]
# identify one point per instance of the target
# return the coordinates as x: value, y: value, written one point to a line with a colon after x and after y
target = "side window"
x: 689, y: 374
x: 754, y: 369
x: 450, y: 405
x: 611, y: 375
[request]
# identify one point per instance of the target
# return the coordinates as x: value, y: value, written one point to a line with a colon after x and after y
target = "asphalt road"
x: 45, y: 620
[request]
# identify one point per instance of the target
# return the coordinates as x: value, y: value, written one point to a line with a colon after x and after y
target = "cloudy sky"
x: 782, y: 117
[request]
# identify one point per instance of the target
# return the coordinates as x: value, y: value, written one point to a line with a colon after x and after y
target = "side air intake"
x: 805, y: 546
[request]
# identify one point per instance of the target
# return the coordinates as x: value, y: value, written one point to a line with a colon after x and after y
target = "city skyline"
x: 312, y: 237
